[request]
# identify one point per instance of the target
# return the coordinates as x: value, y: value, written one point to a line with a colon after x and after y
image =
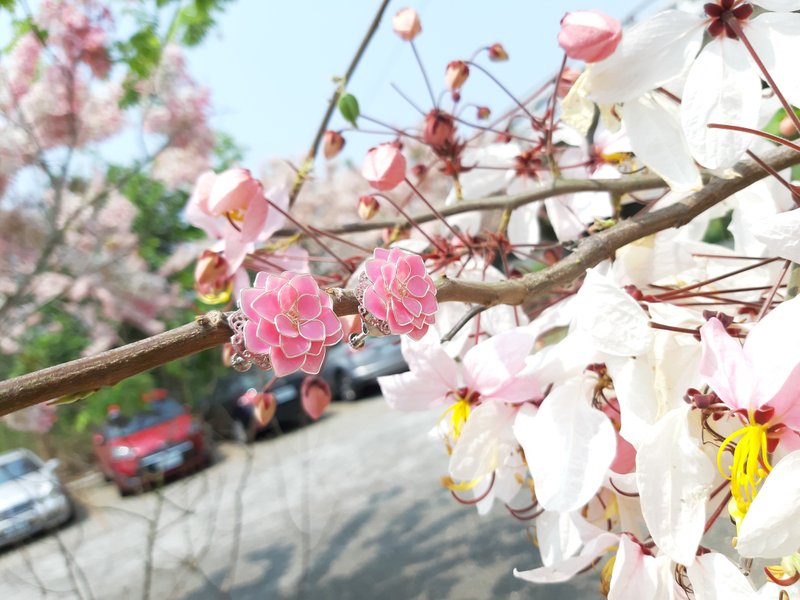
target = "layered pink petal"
x: 724, y: 367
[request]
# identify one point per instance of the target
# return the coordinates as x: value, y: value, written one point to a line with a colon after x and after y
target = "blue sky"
x: 269, y: 64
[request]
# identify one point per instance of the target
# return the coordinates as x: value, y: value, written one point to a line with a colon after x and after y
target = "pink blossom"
x: 290, y: 319
x: 400, y: 292
x: 589, y: 35
x: 763, y: 375
x: 456, y: 74
x: 315, y: 395
x: 384, y: 167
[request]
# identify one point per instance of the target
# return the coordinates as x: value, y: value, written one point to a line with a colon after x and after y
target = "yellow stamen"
x: 462, y: 486
x: 217, y: 298
x: 605, y: 575
x: 750, y: 464
x: 459, y: 413
x: 236, y: 215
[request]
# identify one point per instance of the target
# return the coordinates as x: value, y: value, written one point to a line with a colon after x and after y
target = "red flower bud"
x: 368, y: 207
x: 589, y: 35
x: 315, y: 395
x: 483, y: 113
x: 332, y: 143
x: 384, y: 167
x: 439, y: 128
x: 406, y: 24
x: 497, y: 53
x: 456, y: 74
x: 211, y: 278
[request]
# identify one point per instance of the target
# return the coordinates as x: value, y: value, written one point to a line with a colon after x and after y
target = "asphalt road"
x: 348, y: 507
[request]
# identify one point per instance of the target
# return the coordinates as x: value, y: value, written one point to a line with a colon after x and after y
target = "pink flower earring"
x: 395, y: 295
x: 284, y: 322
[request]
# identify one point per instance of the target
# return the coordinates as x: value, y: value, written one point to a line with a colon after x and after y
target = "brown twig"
x: 211, y: 330
x: 312, y: 152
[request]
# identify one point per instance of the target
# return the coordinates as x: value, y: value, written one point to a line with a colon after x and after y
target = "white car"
x: 32, y: 498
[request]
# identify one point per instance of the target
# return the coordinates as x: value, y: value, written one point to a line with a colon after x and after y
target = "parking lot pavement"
x: 349, y: 507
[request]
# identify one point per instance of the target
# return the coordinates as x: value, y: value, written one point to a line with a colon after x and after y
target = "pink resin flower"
x: 400, y: 292
x: 290, y: 319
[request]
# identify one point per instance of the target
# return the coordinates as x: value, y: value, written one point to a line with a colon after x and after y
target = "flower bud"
x: 439, y: 128
x: 589, y: 35
x: 368, y: 207
x: 406, y: 24
x: 332, y: 143
x: 786, y: 128
x: 497, y: 53
x: 456, y: 74
x: 384, y: 167
x: 211, y: 278
x: 315, y: 395
x: 483, y: 113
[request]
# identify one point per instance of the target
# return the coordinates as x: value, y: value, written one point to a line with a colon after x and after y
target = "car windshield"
x: 17, y: 468
x: 159, y: 411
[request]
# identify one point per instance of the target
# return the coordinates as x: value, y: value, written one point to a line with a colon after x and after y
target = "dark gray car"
x: 352, y: 372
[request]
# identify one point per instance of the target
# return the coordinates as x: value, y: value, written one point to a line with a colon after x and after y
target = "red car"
x: 159, y: 442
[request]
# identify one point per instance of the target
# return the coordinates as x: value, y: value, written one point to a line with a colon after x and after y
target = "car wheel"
x: 345, y: 388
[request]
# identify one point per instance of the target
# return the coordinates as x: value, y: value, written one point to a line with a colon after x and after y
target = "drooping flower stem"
x: 438, y: 214
x: 424, y: 73
x: 310, y: 234
x: 413, y: 223
x: 733, y: 23
x: 677, y: 292
x: 551, y: 123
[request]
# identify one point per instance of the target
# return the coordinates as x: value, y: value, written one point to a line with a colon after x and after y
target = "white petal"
x: 771, y: 527
x: 650, y: 54
x: 654, y: 128
x: 714, y: 577
x: 774, y: 37
x: 568, y: 446
x: 674, y: 478
x: 492, y: 363
x: 615, y: 322
x: 780, y: 233
x: 486, y: 440
x: 779, y: 5
x: 523, y: 228
x: 558, y: 535
x: 567, y: 569
x: 634, y: 574
x: 724, y: 87
x: 634, y: 385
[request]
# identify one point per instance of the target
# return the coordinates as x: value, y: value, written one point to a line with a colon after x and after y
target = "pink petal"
x: 403, y: 270
x: 412, y: 305
x: 252, y: 341
x: 381, y: 253
x: 268, y: 333
x: 387, y: 271
x: 254, y: 219
x: 331, y: 321
x: 286, y: 326
x: 266, y: 305
x: 313, y: 362
x: 401, y: 314
x: 275, y: 282
x: 232, y: 190
x: 261, y: 279
x: 429, y: 304
x: 287, y: 296
x: 417, y: 286
x: 247, y: 298
x: 312, y: 330
x: 305, y: 284
x: 374, y: 304
x: 283, y: 365
x: 373, y: 268
x: 418, y: 334
x: 309, y: 306
x: 294, y: 347
x: 724, y: 367
x: 490, y: 365
x: 417, y: 266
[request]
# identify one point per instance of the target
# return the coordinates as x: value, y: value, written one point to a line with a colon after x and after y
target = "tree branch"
x: 211, y: 330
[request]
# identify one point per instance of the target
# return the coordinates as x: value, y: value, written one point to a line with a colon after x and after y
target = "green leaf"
x: 348, y: 106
